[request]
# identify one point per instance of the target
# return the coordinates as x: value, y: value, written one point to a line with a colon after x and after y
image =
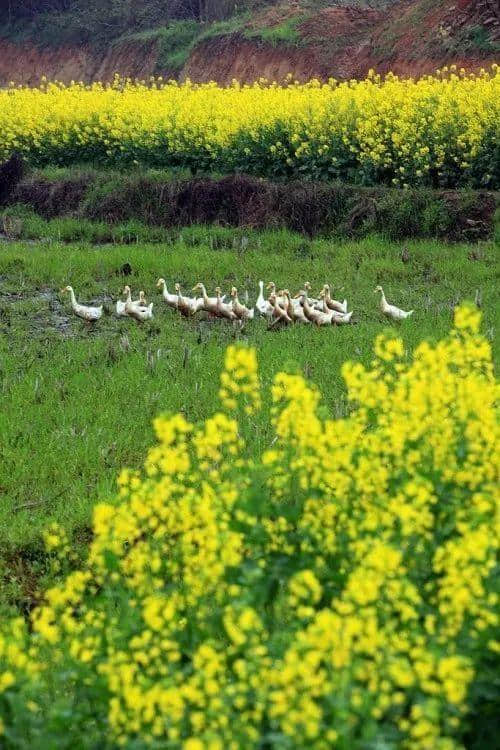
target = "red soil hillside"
x: 413, y: 37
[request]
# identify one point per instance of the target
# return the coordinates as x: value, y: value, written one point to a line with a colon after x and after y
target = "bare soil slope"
x: 413, y: 37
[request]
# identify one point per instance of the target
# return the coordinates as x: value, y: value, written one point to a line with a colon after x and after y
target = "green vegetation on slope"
x: 77, y: 404
x: 174, y: 42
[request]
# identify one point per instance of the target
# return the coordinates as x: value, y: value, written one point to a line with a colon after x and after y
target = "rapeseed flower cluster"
x: 339, y: 590
x: 60, y: 553
x: 440, y: 130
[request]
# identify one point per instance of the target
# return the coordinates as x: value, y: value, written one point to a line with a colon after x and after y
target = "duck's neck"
x: 261, y: 288
x: 129, y: 297
x: 204, y: 294
x: 306, y: 305
x: 73, y: 298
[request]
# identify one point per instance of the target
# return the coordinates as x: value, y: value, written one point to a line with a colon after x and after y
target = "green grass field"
x: 77, y: 403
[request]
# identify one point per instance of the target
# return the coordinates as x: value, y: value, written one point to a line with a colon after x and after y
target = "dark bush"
x: 11, y: 173
x: 52, y: 198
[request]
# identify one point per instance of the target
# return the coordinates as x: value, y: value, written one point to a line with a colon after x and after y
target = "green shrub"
x: 285, y: 33
x: 224, y: 28
x: 174, y: 43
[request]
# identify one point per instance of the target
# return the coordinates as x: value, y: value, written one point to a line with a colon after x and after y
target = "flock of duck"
x: 279, y: 307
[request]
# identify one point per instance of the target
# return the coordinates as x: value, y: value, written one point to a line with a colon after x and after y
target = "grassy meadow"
x: 78, y: 402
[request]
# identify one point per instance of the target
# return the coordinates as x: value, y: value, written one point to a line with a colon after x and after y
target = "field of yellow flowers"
x: 339, y: 591
x: 439, y: 131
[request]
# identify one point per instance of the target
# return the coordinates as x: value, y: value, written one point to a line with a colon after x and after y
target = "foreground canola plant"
x: 336, y: 591
x: 439, y: 130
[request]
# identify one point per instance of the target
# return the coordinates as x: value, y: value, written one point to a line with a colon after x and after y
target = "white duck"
x: 187, y: 306
x: 280, y: 315
x: 137, y: 311
x: 90, y: 314
x: 318, y: 317
x: 170, y: 299
x: 342, y: 318
x: 141, y: 302
x: 280, y: 299
x: 333, y: 304
x: 313, y: 302
x: 223, y: 310
x: 310, y: 312
x: 209, y: 303
x: 294, y: 308
x: 391, y: 311
x: 241, y: 311
x: 263, y: 306
x: 339, y: 318
x: 120, y: 308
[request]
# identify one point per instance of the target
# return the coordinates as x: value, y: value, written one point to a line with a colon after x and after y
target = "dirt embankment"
x: 27, y: 64
x: 414, y: 37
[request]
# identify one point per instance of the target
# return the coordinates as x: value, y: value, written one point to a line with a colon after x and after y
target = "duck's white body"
x: 280, y: 297
x: 191, y: 305
x: 241, y: 311
x: 342, y: 318
x: 310, y: 312
x: 337, y: 318
x: 90, y: 314
x: 333, y: 304
x: 139, y: 312
x: 187, y: 306
x: 141, y: 302
x: 325, y: 319
x: 311, y: 301
x: 209, y: 304
x: 263, y: 306
x: 294, y: 309
x: 170, y: 299
x: 279, y: 312
x: 120, y: 309
x: 391, y: 311
x: 223, y: 310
